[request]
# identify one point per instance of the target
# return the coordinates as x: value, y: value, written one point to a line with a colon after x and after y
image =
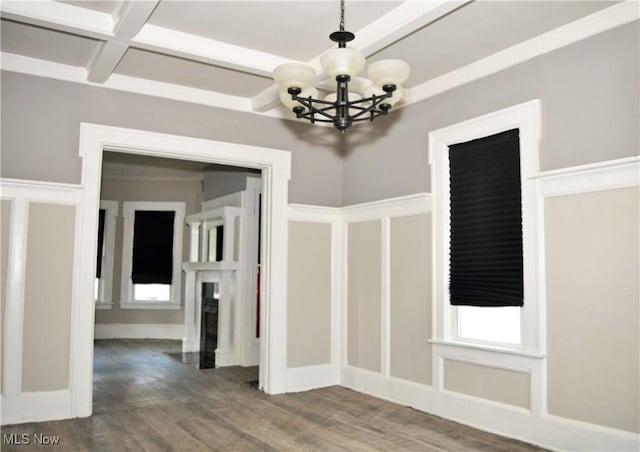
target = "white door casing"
x: 276, y: 169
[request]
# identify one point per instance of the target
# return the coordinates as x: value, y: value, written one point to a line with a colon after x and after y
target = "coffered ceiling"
x: 222, y: 53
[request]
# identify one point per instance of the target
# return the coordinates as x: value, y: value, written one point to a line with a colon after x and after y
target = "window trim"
x: 105, y: 287
x: 128, y: 212
x: 525, y: 117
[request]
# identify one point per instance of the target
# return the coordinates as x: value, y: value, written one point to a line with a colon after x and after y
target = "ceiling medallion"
x: 343, y: 107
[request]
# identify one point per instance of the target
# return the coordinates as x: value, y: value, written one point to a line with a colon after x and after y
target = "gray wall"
x: 590, y: 112
x: 40, y: 120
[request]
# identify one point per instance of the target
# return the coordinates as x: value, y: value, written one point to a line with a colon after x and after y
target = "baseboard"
x: 226, y: 358
x: 311, y: 377
x: 547, y: 431
x: 138, y: 331
x: 36, y: 407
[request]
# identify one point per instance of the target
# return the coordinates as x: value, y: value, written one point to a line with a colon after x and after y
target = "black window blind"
x: 486, y: 222
x: 101, y: 219
x: 152, y: 261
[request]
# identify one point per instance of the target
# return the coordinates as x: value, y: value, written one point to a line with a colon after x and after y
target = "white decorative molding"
x: 393, y: 207
x: 230, y: 200
x: 105, y: 286
x: 139, y: 331
x: 307, y: 213
x: 18, y: 406
x: 311, y: 377
x: 128, y: 19
x: 39, y: 191
x: 547, y: 431
x: 607, y: 175
x: 534, y: 367
x: 205, y: 50
x: 300, y: 379
x: 12, y: 329
x: 598, y: 22
x: 36, y: 407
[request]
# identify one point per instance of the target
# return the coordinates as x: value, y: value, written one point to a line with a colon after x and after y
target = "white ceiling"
x: 222, y: 52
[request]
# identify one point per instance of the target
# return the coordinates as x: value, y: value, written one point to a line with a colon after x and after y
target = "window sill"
x: 151, y: 305
x: 103, y: 305
x: 488, y: 348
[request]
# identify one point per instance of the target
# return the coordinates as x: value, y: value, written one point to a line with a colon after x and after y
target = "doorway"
x: 275, y: 166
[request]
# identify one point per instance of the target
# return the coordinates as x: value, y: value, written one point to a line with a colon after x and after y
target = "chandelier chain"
x: 341, y: 15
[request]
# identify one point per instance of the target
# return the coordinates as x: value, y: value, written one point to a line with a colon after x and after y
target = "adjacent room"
x: 320, y: 225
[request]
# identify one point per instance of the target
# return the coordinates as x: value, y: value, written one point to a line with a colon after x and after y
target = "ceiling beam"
x: 127, y: 27
x: 60, y: 16
x: 401, y: 21
x: 129, y: 17
x: 205, y: 50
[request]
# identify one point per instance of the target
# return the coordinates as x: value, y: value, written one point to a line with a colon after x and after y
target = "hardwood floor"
x: 146, y: 400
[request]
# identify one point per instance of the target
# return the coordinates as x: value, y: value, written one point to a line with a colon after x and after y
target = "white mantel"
x: 201, y: 268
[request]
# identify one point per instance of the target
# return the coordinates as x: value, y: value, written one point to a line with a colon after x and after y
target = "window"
x: 485, y: 236
x: 487, y: 284
x: 152, y: 255
x: 107, y: 215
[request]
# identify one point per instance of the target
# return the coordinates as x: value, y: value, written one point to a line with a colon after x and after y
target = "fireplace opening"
x: 209, y: 324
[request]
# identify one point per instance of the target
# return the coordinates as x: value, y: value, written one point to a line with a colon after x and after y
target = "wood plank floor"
x: 146, y: 400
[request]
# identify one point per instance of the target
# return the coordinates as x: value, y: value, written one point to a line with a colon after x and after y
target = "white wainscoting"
x: 534, y: 425
x: 312, y: 377
x: 19, y: 406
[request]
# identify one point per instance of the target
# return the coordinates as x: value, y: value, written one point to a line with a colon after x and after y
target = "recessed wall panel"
x: 593, y: 297
x: 309, y: 294
x: 364, y: 295
x: 47, y: 297
x: 411, y: 298
x: 491, y: 383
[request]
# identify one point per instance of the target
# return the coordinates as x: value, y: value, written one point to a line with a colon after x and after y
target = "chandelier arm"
x: 305, y: 101
x: 307, y: 115
x: 313, y: 110
x: 308, y: 102
x: 375, y: 101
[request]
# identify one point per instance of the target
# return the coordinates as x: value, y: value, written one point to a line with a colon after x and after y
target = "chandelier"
x: 343, y: 107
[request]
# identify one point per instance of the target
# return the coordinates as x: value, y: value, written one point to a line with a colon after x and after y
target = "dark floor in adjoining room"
x: 147, y: 400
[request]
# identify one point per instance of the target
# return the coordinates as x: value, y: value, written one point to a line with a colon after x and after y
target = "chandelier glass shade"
x: 344, y: 107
